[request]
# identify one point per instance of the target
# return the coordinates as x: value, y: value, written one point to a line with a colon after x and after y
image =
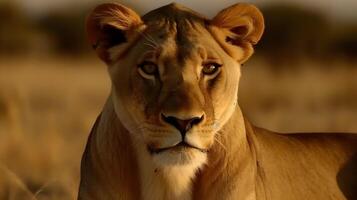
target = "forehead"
x: 176, y: 28
x: 172, y: 16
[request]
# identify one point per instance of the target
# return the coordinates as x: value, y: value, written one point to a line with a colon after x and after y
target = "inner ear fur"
x: 242, y: 25
x: 109, y: 25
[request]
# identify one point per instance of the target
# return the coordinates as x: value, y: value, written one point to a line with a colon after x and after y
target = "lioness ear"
x: 243, y: 26
x: 109, y: 25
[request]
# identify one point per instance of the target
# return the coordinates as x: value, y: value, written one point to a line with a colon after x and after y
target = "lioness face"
x: 174, y: 76
x: 175, y: 90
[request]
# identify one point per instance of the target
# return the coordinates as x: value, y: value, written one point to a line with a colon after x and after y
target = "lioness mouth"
x: 181, y: 145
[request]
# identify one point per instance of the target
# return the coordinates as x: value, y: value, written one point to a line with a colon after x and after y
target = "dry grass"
x: 317, y: 97
x: 47, y: 107
x: 46, y: 111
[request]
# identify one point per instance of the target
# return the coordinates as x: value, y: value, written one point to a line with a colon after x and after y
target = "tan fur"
x: 242, y: 162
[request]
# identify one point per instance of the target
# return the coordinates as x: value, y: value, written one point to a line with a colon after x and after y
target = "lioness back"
x: 306, y: 165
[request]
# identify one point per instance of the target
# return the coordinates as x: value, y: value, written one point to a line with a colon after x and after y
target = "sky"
x: 339, y: 9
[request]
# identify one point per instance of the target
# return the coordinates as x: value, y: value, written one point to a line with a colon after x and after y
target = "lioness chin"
x: 171, y: 127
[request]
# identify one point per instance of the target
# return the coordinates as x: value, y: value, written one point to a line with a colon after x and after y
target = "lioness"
x: 171, y: 127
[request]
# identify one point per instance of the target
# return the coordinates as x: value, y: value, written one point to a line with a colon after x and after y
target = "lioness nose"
x: 182, y: 125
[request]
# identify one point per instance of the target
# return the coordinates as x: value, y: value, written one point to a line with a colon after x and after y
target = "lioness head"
x: 174, y: 73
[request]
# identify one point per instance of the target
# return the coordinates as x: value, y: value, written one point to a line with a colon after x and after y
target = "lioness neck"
x: 136, y: 174
x: 165, y: 183
x: 232, y: 167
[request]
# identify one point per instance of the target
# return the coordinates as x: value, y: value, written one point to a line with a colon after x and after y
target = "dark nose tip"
x: 182, y: 125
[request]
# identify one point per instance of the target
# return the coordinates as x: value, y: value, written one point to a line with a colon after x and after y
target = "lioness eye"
x: 210, y: 68
x: 148, y: 68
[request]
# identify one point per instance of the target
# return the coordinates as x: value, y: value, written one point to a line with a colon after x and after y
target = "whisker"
x: 155, y: 129
x: 218, y: 133
x: 149, y: 37
x: 220, y: 143
x: 150, y: 45
x: 150, y: 40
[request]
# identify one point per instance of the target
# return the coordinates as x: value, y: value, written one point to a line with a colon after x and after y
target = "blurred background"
x: 303, y: 77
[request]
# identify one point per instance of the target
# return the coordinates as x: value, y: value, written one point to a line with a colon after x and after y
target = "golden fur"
x: 133, y: 150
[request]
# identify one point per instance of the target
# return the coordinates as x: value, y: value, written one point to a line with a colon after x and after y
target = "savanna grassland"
x: 48, y: 105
